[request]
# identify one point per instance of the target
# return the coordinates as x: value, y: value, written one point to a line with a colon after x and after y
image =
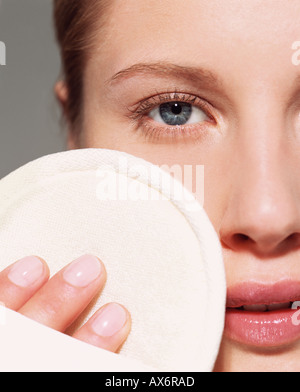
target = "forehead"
x: 225, y: 36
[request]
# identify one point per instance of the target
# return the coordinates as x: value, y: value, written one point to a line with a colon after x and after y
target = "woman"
x: 201, y: 83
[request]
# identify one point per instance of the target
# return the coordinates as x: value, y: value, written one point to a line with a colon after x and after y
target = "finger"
x: 63, y: 298
x: 21, y: 280
x: 108, y: 328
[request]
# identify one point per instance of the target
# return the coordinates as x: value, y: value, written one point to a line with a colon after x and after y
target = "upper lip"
x: 252, y: 293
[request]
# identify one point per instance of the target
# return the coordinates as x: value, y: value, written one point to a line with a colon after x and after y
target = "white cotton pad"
x: 162, y: 255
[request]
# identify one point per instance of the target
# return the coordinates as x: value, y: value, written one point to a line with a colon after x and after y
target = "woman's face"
x: 214, y: 83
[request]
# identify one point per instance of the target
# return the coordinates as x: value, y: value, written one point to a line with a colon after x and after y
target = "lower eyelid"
x: 172, y: 134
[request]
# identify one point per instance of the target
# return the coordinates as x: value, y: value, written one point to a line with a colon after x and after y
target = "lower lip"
x: 263, y: 329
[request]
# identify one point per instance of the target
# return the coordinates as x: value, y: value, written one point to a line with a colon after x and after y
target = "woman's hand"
x: 25, y: 287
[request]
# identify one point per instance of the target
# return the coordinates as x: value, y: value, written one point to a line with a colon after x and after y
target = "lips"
x: 261, y: 315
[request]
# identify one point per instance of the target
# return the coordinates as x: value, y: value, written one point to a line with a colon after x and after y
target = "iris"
x: 175, y: 113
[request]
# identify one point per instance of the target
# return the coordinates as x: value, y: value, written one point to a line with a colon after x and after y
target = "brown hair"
x: 76, y: 23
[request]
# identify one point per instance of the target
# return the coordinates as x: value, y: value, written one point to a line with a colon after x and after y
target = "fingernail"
x: 83, y: 271
x: 110, y: 320
x: 26, y: 272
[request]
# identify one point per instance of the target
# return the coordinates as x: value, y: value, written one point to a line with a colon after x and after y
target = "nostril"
x: 293, y: 240
x: 290, y: 243
x: 236, y: 241
x: 241, y: 238
x: 240, y: 241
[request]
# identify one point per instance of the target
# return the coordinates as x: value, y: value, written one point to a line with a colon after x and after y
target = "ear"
x: 62, y: 95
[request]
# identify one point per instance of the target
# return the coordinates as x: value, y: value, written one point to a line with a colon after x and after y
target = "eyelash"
x: 155, y: 133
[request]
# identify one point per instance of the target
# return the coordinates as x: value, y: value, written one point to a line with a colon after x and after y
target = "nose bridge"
x: 261, y: 186
x: 261, y: 149
x: 261, y: 206
x: 260, y: 154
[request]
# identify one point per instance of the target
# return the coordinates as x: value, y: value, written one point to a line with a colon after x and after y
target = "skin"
x: 57, y: 302
x: 249, y: 144
x: 250, y: 153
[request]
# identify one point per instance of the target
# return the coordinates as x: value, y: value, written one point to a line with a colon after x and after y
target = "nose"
x: 262, y: 215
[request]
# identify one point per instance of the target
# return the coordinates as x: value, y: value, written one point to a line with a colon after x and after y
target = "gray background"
x: 29, y: 115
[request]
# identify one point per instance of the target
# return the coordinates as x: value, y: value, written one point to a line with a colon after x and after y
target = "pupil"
x: 176, y: 108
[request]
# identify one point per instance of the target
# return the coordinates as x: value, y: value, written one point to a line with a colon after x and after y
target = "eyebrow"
x: 195, y: 75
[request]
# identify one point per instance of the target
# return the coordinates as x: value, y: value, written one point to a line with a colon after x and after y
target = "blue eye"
x: 177, y: 113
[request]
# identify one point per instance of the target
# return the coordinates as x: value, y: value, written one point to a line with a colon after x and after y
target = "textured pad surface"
x: 162, y: 255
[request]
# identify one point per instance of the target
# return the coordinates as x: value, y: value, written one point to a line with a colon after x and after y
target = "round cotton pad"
x: 162, y: 255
